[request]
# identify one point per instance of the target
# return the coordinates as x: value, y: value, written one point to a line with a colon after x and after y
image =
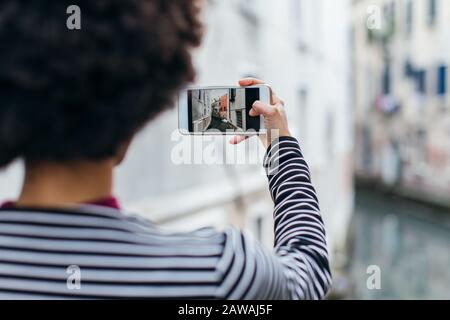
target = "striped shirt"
x: 98, y: 252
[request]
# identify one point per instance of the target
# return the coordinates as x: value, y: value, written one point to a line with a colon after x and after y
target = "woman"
x: 70, y: 104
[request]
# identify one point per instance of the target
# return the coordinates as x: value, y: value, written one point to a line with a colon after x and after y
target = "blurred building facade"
x: 301, y: 47
x: 401, y: 69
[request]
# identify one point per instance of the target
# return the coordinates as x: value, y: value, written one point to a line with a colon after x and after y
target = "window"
x: 249, y: 9
x: 442, y: 80
x: 421, y: 77
x: 389, y: 15
x: 409, y: 16
x: 232, y: 95
x: 393, y: 15
x: 432, y: 12
x: 298, y: 23
x: 387, y: 80
x: 239, y: 119
x: 408, y: 68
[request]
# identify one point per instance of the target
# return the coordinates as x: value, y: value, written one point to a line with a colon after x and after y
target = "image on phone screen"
x: 222, y: 109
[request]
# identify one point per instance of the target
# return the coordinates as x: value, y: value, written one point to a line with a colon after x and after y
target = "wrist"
x: 273, y: 135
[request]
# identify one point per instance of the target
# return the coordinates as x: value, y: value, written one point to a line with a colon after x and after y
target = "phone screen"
x: 222, y: 110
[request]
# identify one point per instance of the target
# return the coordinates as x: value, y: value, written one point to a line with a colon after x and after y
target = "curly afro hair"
x: 79, y: 94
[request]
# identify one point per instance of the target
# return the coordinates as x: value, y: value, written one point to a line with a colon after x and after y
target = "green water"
x: 408, y: 241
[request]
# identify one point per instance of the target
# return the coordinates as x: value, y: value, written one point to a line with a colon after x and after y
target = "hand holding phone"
x: 249, y: 109
x: 273, y: 113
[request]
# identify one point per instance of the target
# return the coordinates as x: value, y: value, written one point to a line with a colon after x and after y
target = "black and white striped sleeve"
x: 298, y: 268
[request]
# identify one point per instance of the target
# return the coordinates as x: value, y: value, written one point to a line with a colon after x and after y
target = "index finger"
x: 250, y: 82
x: 253, y: 81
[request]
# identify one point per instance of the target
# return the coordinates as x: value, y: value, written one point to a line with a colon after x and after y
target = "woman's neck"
x: 62, y: 185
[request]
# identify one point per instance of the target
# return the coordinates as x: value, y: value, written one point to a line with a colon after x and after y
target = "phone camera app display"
x: 224, y: 110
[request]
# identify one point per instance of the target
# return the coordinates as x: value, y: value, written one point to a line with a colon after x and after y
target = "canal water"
x: 407, y: 242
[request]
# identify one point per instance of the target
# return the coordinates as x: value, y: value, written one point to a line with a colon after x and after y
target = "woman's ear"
x: 122, y: 151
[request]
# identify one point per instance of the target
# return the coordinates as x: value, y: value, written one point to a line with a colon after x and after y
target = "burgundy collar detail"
x: 109, y: 202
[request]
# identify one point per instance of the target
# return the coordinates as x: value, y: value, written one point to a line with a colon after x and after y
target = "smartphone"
x: 221, y: 110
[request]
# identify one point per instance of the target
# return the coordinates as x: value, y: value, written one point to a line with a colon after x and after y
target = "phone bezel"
x: 183, y: 115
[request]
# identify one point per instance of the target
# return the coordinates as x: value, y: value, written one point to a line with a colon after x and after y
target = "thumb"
x: 260, y: 108
x: 238, y: 139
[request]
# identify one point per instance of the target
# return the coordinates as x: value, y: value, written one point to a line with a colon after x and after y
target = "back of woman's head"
x: 80, y: 94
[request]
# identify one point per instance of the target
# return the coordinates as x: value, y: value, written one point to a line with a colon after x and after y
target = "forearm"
x: 298, y: 268
x: 299, y: 231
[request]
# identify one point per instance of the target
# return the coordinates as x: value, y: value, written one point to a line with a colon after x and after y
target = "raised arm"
x: 298, y: 268
x: 299, y: 231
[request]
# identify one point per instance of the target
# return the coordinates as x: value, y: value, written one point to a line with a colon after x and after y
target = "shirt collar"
x: 108, y: 202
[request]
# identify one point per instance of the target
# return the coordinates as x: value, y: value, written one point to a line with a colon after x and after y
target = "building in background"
x: 401, y: 70
x: 302, y: 48
x: 401, y: 56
